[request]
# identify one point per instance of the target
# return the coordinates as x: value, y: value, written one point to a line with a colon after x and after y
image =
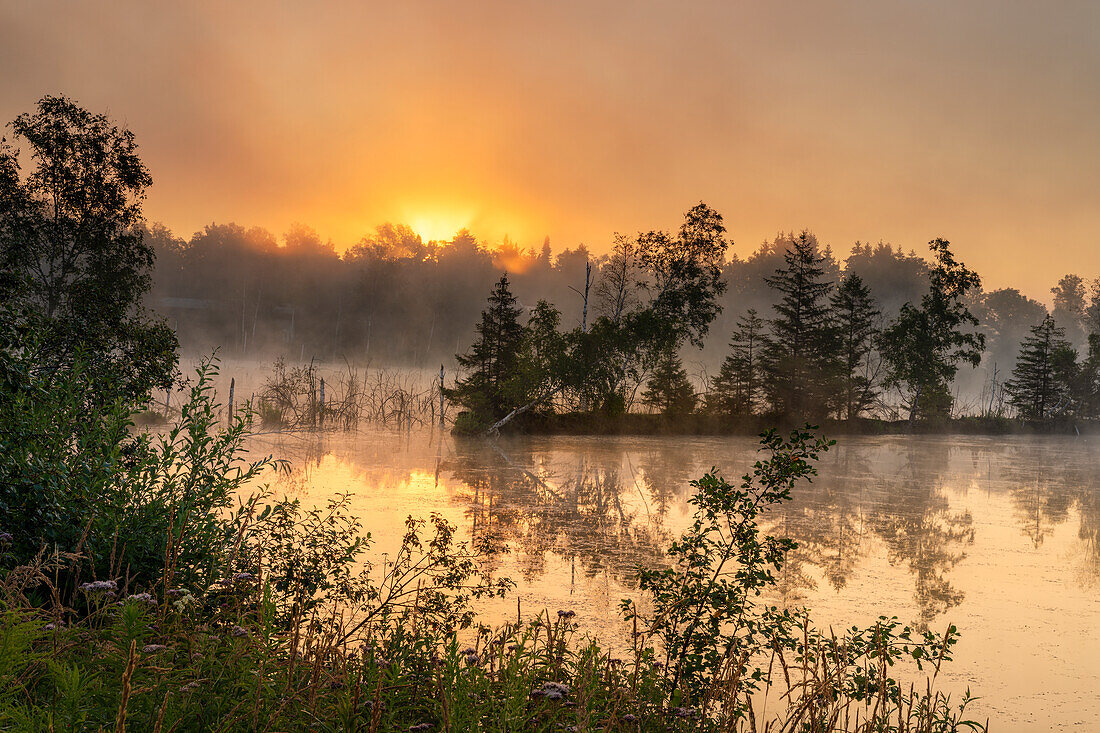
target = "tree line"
x: 822, y: 351
x: 799, y: 332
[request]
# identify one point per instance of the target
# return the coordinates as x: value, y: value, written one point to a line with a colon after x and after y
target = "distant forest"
x: 393, y: 299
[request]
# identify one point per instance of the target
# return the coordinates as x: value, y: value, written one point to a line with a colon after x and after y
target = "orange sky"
x: 903, y: 121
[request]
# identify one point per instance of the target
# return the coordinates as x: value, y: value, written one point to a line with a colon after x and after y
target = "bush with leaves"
x: 719, y: 639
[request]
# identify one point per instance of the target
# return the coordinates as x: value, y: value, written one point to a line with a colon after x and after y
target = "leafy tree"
x: 1087, y: 383
x: 685, y: 274
x: 799, y: 353
x: 71, y: 245
x: 736, y: 389
x: 491, y: 386
x: 669, y: 390
x: 1039, y: 386
x: 1069, y: 305
x: 544, y: 360
x: 923, y: 346
x: 854, y: 314
x: 654, y: 293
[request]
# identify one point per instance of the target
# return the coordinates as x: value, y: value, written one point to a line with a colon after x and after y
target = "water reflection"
x: 573, y: 507
x: 1000, y: 536
x: 604, y: 506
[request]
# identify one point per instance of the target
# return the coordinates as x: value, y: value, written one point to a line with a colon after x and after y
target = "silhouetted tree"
x: 71, y: 245
x: 491, y: 387
x: 685, y: 274
x: 669, y: 391
x: 736, y: 389
x: 1038, y: 386
x: 1069, y: 306
x: 854, y: 315
x: 923, y: 346
x: 799, y: 353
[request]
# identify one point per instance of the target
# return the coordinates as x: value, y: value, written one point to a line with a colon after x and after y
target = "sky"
x: 972, y: 120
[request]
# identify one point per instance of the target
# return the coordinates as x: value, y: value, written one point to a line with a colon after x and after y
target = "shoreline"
x: 703, y: 424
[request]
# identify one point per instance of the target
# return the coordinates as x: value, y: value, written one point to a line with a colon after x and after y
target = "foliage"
x: 799, y: 351
x: 855, y: 318
x: 301, y: 630
x: 71, y: 247
x: 736, y: 389
x: 74, y: 479
x: 924, y: 346
x: 720, y: 639
x: 668, y: 390
x: 490, y: 388
x: 1040, y: 386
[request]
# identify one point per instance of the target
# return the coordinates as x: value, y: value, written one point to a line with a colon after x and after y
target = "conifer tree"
x: 736, y: 389
x: 668, y: 389
x: 799, y: 353
x: 492, y: 386
x: 1040, y: 385
x: 854, y: 315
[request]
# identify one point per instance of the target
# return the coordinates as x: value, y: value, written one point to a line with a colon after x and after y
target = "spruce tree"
x: 1039, y: 386
x: 799, y: 353
x: 491, y: 386
x: 854, y: 315
x: 736, y: 390
x: 668, y: 390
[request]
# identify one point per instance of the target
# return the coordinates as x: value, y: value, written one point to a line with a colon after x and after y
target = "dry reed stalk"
x: 161, y: 713
x: 120, y: 719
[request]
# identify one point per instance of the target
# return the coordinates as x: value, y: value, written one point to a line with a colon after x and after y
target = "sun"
x: 438, y: 224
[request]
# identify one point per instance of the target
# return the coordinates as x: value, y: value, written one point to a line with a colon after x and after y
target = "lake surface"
x: 999, y: 536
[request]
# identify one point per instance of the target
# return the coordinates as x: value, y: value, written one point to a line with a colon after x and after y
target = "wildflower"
x: 142, y: 598
x: 551, y: 691
x: 6, y: 537
x: 243, y: 577
x: 473, y: 659
x: 238, y: 631
x: 468, y: 651
x: 49, y: 627
x: 99, y: 586
x: 630, y: 718
x: 224, y: 582
x: 566, y: 614
x: 186, y: 600
x: 190, y: 687
x: 176, y: 592
x: 153, y: 648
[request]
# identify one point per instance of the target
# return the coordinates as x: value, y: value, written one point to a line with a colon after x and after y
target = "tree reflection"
x: 539, y: 506
x: 916, y: 523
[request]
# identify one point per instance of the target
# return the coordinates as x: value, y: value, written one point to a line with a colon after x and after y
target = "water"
x: 999, y: 536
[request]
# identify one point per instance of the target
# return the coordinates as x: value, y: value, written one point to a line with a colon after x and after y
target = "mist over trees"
x: 672, y: 305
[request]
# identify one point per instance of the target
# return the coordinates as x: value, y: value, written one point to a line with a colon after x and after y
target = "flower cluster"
x: 551, y: 691
x: 99, y: 586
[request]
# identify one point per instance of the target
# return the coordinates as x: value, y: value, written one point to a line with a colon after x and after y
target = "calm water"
x: 996, y: 535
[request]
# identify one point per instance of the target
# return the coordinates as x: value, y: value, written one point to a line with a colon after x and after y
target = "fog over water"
x: 998, y: 536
